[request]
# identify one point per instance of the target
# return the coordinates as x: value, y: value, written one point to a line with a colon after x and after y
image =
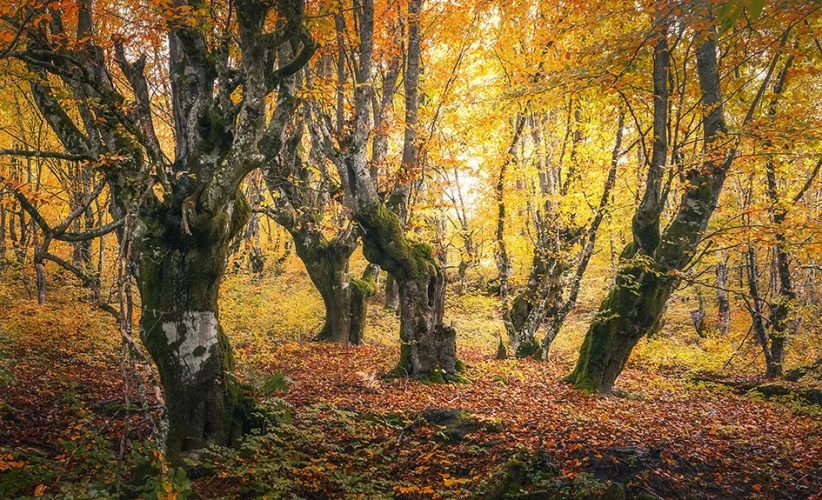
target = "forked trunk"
x: 540, y: 299
x: 651, y: 263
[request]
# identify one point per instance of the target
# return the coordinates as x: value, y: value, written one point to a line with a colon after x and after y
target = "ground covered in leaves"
x: 336, y: 429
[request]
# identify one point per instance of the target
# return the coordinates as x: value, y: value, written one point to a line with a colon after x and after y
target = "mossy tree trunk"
x: 392, y: 293
x: 345, y: 298
x: 428, y: 348
x: 301, y: 201
x: 541, y: 298
x: 179, y: 277
x: 178, y: 234
x: 647, y: 277
x: 651, y: 264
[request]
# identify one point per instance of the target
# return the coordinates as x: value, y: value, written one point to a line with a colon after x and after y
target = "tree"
x: 178, y: 217
x: 300, y: 204
x: 651, y: 263
x: 428, y: 347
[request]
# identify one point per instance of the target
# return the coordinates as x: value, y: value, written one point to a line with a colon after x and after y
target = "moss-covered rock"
x: 525, y: 475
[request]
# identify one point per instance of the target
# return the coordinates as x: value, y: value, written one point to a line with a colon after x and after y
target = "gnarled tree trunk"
x: 179, y: 278
x: 428, y: 347
x: 345, y: 298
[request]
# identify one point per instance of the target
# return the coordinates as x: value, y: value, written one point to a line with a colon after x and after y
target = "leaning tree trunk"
x: 428, y: 349
x: 179, y: 278
x: 632, y: 308
x: 650, y: 264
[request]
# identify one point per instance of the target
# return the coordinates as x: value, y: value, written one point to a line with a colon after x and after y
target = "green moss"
x: 385, y: 244
x: 241, y: 215
x: 459, y: 366
x: 435, y: 377
x: 363, y: 289
x: 529, y: 348
x: 456, y: 378
x: 586, y: 385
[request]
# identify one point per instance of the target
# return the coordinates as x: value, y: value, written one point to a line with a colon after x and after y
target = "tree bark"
x: 651, y: 264
x: 345, y: 299
x: 179, y: 278
x: 723, y: 322
x: 785, y: 291
x: 178, y: 240
x: 428, y: 349
x: 392, y: 293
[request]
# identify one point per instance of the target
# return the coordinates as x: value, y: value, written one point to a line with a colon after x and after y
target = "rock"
x: 458, y: 424
x: 615, y: 492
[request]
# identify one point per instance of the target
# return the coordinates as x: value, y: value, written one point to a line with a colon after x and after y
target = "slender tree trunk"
x: 723, y: 321
x: 698, y: 314
x: 785, y: 290
x: 541, y: 298
x: 558, y: 318
x: 2, y: 233
x: 392, y: 293
x: 757, y: 310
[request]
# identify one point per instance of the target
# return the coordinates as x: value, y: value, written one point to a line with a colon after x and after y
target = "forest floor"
x: 340, y: 430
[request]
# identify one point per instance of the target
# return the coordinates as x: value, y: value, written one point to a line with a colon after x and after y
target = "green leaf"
x: 728, y: 15
x: 755, y: 8
x: 278, y: 382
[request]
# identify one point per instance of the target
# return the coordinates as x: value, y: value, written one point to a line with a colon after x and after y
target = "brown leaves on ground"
x: 689, y: 440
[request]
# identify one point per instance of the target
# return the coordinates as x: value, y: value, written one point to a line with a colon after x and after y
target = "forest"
x: 410, y: 249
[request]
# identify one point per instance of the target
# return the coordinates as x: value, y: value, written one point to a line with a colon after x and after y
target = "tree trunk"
x: 2, y: 233
x: 428, y: 349
x: 785, y: 290
x: 544, y: 290
x: 392, y: 293
x: 558, y: 318
x: 698, y: 314
x: 723, y: 321
x: 345, y: 299
x: 179, y: 278
x: 632, y: 308
x: 757, y: 310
